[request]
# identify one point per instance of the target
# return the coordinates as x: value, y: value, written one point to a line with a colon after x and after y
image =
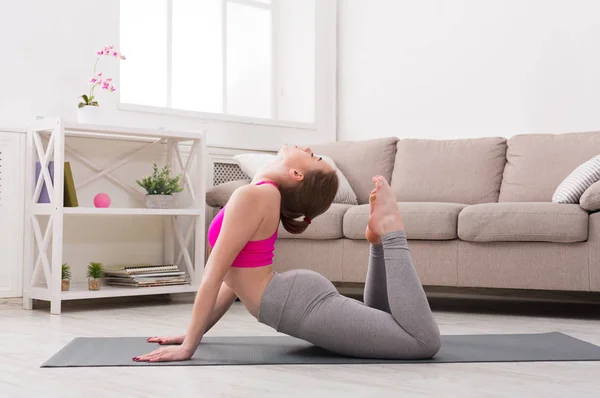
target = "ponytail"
x: 308, y: 199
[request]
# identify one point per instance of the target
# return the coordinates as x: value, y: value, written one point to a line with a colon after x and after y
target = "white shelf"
x: 183, y: 243
x: 42, y: 209
x: 131, y: 211
x: 82, y: 129
x: 80, y: 291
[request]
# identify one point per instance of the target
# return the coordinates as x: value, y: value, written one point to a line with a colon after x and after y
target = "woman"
x: 394, y: 322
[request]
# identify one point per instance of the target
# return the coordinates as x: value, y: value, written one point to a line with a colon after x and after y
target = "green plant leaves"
x: 87, y: 101
x: 66, y: 271
x: 160, y: 182
x: 95, y: 270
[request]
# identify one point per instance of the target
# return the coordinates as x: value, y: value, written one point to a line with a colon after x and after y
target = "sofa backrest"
x: 360, y: 161
x: 537, y: 163
x: 467, y: 171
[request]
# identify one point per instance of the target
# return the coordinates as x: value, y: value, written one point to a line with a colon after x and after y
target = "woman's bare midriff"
x: 249, y: 285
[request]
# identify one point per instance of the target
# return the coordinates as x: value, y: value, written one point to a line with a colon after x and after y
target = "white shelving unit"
x: 56, y: 132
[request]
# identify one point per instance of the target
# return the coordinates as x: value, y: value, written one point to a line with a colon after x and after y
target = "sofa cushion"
x: 219, y: 195
x: 537, y: 163
x: 426, y: 220
x: 326, y: 226
x: 523, y: 265
x: 590, y: 200
x: 523, y: 222
x: 456, y: 171
x: 360, y: 161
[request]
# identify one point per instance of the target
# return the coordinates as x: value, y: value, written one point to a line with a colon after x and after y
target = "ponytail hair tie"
x: 307, y: 220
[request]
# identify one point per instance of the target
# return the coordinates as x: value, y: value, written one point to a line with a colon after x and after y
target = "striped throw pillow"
x: 580, y: 179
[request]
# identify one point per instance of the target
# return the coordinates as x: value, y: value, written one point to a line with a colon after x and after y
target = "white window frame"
x: 323, y: 128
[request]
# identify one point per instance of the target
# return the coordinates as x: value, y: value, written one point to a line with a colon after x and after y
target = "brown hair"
x: 310, y: 198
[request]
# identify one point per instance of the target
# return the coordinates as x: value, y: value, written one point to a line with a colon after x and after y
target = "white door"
x: 11, y: 213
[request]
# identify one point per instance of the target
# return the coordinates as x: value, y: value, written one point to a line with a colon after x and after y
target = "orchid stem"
x: 93, y: 85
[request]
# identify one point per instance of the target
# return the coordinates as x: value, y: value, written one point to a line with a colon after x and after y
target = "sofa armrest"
x: 590, y: 200
x: 218, y: 196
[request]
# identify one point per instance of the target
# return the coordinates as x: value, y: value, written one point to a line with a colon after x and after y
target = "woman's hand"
x: 167, y: 340
x: 166, y: 354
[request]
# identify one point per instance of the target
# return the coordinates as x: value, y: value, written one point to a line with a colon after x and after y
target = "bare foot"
x: 372, y: 237
x: 385, y: 216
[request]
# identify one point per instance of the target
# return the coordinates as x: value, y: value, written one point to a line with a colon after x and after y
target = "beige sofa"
x: 478, y: 212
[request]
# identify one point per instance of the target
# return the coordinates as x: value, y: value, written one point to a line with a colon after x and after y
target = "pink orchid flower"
x: 97, y: 80
x: 110, y: 50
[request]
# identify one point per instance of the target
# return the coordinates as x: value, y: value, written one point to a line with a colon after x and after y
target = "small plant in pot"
x: 95, y: 271
x: 66, y: 277
x: 160, y: 187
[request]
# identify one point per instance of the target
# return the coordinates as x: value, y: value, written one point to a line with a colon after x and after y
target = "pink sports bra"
x: 256, y: 253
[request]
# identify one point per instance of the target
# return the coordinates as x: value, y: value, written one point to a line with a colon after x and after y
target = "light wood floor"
x: 28, y: 338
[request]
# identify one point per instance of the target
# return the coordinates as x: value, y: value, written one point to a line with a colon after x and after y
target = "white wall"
x: 48, y: 55
x: 467, y: 68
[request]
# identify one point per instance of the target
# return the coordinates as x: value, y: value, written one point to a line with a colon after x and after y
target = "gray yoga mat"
x: 275, y: 350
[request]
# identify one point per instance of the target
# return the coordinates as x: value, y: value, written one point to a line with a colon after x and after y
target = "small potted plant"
x: 95, y: 271
x: 66, y: 277
x: 160, y: 187
x: 88, y: 107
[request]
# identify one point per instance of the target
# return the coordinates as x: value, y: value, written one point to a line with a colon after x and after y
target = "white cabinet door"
x: 11, y: 213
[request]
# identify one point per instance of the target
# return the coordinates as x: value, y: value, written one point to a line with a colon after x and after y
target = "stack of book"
x: 144, y: 275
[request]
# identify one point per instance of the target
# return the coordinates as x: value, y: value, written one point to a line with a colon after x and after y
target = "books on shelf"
x: 144, y: 275
x: 69, y: 194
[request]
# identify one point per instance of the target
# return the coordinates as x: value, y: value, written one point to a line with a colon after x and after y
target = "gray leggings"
x: 395, y: 321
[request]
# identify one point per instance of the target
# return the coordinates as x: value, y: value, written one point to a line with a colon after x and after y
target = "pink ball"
x: 102, y: 200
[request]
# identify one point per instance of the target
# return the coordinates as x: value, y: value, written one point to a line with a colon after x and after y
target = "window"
x: 251, y: 58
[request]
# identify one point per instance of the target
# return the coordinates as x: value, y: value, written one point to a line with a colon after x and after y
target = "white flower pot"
x: 91, y: 115
x: 160, y: 201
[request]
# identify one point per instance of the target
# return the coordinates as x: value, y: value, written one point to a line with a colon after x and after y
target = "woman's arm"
x: 243, y: 216
x: 225, y: 298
